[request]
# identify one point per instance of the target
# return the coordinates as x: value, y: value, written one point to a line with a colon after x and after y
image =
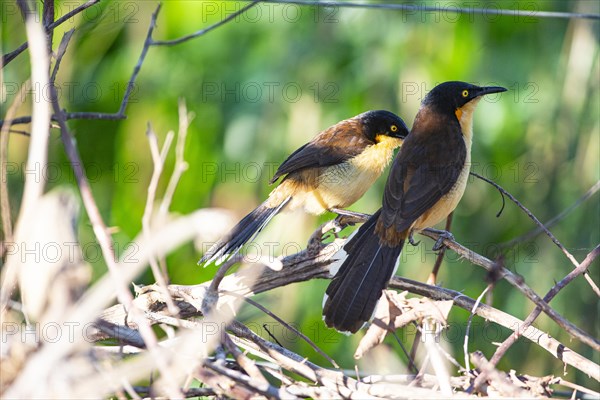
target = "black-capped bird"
x: 426, y: 181
x: 329, y: 173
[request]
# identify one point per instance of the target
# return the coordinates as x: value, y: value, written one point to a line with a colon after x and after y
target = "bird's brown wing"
x: 425, y: 170
x: 330, y: 147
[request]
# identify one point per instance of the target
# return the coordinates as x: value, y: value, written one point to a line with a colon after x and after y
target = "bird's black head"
x: 381, y: 122
x: 450, y: 97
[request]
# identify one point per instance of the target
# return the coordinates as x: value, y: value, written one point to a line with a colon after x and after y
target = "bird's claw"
x: 341, y: 222
x: 411, y: 239
x: 439, y: 243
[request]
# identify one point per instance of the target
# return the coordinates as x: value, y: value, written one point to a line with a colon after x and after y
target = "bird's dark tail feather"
x: 242, y: 233
x: 352, y: 295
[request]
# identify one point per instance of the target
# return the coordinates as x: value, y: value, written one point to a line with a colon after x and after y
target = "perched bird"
x: 330, y: 172
x: 426, y: 181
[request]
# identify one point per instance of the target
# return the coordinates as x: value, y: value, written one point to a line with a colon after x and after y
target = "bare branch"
x: 439, y: 9
x: 286, y: 325
x: 138, y: 66
x: 518, y: 283
x: 535, y: 232
x: 497, y: 379
x: 306, y: 265
x: 500, y: 351
x: 536, y: 336
x: 62, y: 49
x: 158, y: 159
x: 105, y: 241
x: 4, y: 198
x: 180, y: 164
x: 208, y: 29
x: 540, y: 226
x: 440, y: 257
x: 7, y: 58
x: 38, y: 144
x: 469, y: 321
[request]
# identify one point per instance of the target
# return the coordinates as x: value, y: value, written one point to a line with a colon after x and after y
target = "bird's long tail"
x: 243, y: 232
x: 353, y: 293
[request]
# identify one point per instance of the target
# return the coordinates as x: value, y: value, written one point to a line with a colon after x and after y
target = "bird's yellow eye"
x: 394, y: 128
x: 465, y: 93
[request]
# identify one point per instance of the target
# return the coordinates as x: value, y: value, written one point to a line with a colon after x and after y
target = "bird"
x: 426, y: 181
x: 329, y: 173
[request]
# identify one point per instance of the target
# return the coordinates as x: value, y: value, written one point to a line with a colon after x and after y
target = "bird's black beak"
x: 402, y: 131
x: 489, y: 90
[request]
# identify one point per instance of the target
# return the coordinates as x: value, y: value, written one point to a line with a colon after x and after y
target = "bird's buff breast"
x: 341, y: 185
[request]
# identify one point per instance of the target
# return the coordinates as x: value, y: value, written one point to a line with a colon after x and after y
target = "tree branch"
x: 8, y: 57
x: 503, y: 348
x: 307, y: 265
x: 541, y: 226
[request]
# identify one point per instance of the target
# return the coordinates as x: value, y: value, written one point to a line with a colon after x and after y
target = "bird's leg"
x: 411, y: 239
x: 315, y: 243
x: 443, y: 235
x: 347, y: 218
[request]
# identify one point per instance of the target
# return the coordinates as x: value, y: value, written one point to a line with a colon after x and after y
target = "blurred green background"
x: 271, y: 79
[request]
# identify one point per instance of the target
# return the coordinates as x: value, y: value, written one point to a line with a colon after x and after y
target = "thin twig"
x: 62, y: 49
x: 47, y: 20
x: 411, y: 361
x: 180, y: 167
x: 554, y: 347
x: 285, y: 324
x: 142, y: 57
x: 248, y: 365
x: 4, y: 137
x: 431, y: 330
x: 518, y: 283
x: 561, y: 381
x: 503, y: 348
x: 536, y: 231
x: 262, y: 388
x: 466, y: 342
x: 149, y: 41
x: 180, y: 164
x: 19, y: 132
x: 38, y: 145
x: 191, y: 392
x: 7, y: 58
x: 440, y: 9
x: 432, y: 279
x: 206, y: 30
x: 305, y: 266
x: 540, y: 226
x: 105, y: 241
x: 158, y: 160
x: 69, y: 116
x: 498, y: 379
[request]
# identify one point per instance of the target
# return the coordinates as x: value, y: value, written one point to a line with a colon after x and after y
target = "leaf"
x: 385, y: 312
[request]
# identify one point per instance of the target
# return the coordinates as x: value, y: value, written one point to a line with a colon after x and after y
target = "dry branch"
x: 549, y: 296
x: 517, y: 282
x: 7, y: 58
x: 303, y: 266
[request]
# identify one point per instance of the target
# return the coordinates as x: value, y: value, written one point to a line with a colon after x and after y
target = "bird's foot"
x: 347, y: 218
x: 315, y: 243
x: 411, y: 239
x: 443, y: 235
